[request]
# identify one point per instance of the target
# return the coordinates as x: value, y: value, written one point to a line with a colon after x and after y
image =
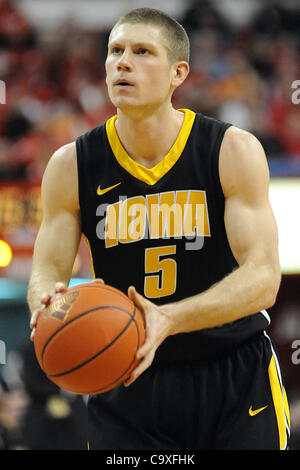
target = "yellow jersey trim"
x: 91, y: 256
x: 150, y: 175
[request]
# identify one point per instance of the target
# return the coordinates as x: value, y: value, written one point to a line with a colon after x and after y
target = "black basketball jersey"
x: 162, y: 229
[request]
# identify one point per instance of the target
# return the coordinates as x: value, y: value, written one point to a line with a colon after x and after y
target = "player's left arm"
x: 252, y: 235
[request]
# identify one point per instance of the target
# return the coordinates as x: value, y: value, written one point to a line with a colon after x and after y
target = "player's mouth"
x: 123, y: 83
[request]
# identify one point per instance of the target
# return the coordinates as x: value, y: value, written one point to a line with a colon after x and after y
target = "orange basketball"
x: 86, y: 340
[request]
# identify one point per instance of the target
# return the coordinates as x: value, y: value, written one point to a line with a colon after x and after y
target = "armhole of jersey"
x: 80, y: 171
x: 216, y: 158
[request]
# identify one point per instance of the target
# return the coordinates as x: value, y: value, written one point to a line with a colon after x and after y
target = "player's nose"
x: 125, y: 61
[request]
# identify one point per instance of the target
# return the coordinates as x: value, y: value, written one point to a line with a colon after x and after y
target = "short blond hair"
x: 177, y: 41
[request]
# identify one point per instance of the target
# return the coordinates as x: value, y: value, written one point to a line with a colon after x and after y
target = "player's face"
x: 138, y: 73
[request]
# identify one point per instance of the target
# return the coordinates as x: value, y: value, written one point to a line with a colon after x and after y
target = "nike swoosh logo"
x: 103, y: 191
x: 255, y: 412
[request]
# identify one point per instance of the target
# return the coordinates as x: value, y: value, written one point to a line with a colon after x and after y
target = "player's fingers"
x: 35, y: 315
x: 60, y: 287
x: 32, y: 334
x: 151, y: 344
x: 34, y: 319
x: 143, y: 365
x: 137, y: 298
x: 45, y: 299
x: 145, y: 349
x: 59, y: 290
x: 99, y: 280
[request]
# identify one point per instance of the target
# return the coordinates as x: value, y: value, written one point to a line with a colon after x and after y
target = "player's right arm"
x: 59, y: 235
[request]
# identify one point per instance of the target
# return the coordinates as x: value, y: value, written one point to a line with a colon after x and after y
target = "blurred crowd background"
x: 244, y: 60
x: 240, y: 72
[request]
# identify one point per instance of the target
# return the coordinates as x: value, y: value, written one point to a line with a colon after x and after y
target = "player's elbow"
x: 270, y: 298
x: 272, y: 284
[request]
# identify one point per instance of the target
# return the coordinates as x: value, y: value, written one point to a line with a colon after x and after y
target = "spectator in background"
x: 284, y: 114
x: 52, y: 419
x: 56, y: 88
x: 15, y: 30
x: 12, y: 408
x: 201, y: 15
x: 276, y: 29
x: 277, y: 18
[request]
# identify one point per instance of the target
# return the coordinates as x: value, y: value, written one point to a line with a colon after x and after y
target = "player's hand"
x: 159, y: 325
x: 46, y: 299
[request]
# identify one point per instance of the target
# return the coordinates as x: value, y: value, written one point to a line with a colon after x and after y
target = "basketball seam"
x: 99, y: 352
x: 75, y: 318
x: 116, y: 380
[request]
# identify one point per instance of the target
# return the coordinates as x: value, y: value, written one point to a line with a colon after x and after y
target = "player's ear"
x: 180, y: 71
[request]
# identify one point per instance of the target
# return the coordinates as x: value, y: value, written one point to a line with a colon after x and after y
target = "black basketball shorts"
x: 235, y: 402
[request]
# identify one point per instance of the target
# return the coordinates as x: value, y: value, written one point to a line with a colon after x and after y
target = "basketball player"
x: 174, y: 206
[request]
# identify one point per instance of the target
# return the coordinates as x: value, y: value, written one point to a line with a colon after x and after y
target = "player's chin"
x: 124, y: 102
x: 135, y: 108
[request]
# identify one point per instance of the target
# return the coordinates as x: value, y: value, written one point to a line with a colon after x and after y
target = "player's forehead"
x: 139, y: 33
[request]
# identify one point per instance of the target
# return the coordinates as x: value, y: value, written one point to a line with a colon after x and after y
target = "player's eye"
x: 116, y: 50
x: 142, y: 50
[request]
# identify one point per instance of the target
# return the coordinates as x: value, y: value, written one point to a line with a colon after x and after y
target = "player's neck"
x: 147, y: 140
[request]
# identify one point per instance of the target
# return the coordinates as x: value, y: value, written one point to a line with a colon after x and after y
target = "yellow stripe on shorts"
x: 280, y: 404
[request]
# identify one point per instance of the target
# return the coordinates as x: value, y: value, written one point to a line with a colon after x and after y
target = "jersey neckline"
x: 150, y: 176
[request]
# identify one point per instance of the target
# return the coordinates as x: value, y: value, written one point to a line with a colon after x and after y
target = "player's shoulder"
x: 242, y: 158
x: 241, y: 149
x: 237, y: 141
x: 62, y: 163
x: 64, y: 157
x: 60, y: 177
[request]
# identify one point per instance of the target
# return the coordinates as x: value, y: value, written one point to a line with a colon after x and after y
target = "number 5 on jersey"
x: 160, y: 272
